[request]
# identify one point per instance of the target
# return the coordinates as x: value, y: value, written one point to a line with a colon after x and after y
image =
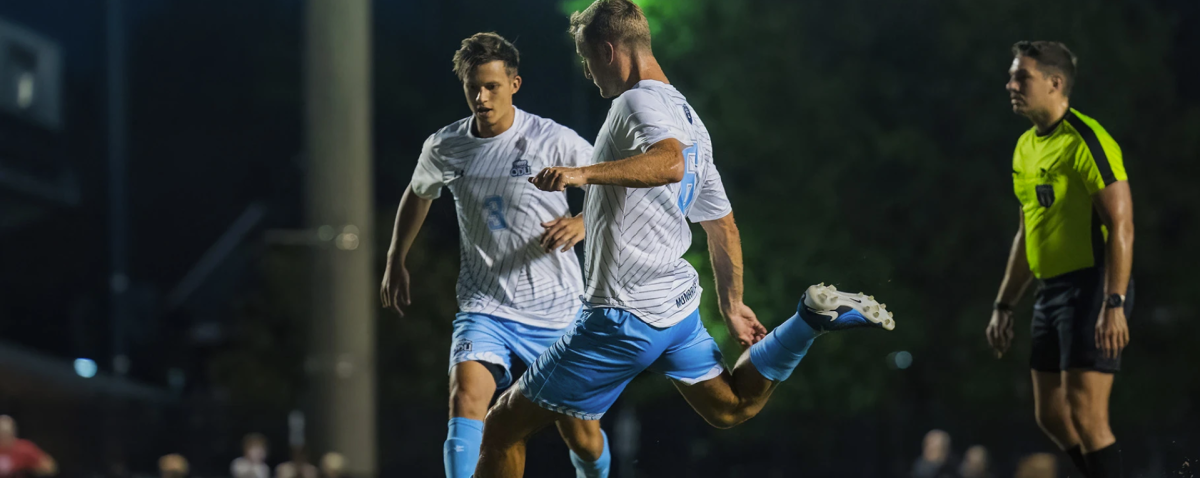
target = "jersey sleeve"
x: 647, y: 120
x: 1098, y: 161
x: 429, y: 177
x: 711, y: 202
x: 571, y: 149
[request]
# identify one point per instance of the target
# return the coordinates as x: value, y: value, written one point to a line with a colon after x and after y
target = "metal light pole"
x: 338, y: 134
x: 118, y: 211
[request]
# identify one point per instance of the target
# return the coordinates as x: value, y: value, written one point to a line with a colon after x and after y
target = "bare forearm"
x: 1119, y: 257
x: 1114, y: 204
x: 725, y: 251
x: 1016, y: 274
x: 409, y: 218
x: 661, y: 164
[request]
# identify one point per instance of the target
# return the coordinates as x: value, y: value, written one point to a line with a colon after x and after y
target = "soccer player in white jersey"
x: 652, y: 172
x: 519, y: 283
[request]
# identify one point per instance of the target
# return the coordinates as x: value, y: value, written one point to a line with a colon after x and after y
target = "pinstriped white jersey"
x: 504, y: 271
x: 636, y: 237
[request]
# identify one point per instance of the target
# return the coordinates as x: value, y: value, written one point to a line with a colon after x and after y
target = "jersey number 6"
x: 687, y: 187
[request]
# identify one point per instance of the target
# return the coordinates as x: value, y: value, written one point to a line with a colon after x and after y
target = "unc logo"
x: 1045, y: 195
x: 687, y: 112
x: 461, y: 346
x: 520, y: 167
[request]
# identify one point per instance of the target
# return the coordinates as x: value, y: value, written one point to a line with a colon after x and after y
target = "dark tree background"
x: 865, y: 143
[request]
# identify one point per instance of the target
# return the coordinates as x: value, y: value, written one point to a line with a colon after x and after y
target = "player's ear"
x: 1057, y: 82
x: 608, y: 52
x: 516, y: 83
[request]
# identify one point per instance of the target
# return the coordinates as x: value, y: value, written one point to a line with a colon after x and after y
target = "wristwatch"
x: 1114, y: 300
x: 1002, y: 307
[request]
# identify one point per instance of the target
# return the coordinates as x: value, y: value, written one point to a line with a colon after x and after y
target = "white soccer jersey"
x: 504, y: 270
x: 636, y: 237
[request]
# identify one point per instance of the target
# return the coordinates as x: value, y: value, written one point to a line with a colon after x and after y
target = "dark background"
x: 865, y: 143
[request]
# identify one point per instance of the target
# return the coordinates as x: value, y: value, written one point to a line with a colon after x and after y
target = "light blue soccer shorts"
x: 582, y: 374
x: 495, y: 340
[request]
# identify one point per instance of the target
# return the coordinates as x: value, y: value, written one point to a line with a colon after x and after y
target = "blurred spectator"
x: 299, y: 467
x: 975, y: 463
x: 333, y: 464
x: 21, y: 457
x: 1038, y: 465
x: 253, y: 462
x: 173, y: 466
x: 935, y: 457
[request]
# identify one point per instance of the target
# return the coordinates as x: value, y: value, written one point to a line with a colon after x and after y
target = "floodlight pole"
x: 341, y: 364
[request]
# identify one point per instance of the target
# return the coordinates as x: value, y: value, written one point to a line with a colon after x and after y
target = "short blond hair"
x: 614, y: 21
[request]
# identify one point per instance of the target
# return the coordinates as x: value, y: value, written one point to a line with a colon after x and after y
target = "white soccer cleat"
x: 825, y: 309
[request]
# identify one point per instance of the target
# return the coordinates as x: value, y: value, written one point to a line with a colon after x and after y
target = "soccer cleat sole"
x: 822, y: 297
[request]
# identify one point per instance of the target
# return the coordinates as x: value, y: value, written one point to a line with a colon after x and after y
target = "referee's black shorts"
x: 1064, y: 323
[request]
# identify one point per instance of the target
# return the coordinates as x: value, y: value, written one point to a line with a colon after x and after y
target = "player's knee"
x: 727, y: 419
x: 587, y: 443
x: 1051, y: 419
x: 467, y: 401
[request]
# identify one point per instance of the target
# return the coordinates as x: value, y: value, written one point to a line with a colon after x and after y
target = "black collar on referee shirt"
x: 1055, y: 127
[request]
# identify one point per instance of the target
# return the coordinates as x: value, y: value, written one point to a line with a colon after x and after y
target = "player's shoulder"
x: 1087, y: 135
x: 545, y: 129
x: 1085, y: 127
x: 450, y: 137
x: 645, y: 95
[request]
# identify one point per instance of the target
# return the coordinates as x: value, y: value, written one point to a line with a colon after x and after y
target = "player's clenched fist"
x: 558, y: 179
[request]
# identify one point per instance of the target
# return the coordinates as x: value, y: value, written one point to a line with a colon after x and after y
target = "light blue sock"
x: 461, y: 450
x: 595, y: 469
x: 781, y: 351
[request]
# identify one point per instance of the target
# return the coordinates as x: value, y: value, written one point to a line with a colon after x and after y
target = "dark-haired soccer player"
x: 653, y: 173
x: 1076, y: 237
x: 519, y: 284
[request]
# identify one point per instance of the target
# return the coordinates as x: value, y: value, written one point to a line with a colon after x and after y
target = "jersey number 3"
x: 494, y: 207
x: 687, y: 187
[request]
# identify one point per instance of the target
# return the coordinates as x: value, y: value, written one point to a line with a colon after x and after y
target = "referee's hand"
x: 1000, y: 331
x: 1112, y: 332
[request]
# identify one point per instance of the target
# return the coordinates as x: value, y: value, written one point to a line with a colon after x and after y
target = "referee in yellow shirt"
x: 1076, y: 238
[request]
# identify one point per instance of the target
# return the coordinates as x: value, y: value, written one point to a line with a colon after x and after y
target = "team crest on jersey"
x: 687, y: 112
x: 1045, y: 195
x: 461, y: 346
x: 520, y: 167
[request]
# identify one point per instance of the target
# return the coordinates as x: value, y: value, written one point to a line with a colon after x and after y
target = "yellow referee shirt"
x: 1054, y: 177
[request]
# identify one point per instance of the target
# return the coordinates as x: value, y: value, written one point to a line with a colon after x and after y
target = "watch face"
x: 1115, y: 301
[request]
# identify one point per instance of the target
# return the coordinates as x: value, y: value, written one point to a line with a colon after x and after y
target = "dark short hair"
x: 482, y: 48
x: 1052, y: 57
x: 615, y: 21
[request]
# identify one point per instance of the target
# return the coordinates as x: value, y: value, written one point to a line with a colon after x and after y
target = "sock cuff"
x: 602, y: 460
x: 457, y: 424
x: 1108, y: 449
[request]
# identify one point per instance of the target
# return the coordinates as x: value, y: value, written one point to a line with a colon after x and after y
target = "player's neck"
x: 1047, y: 120
x: 643, y: 66
x: 498, y: 128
